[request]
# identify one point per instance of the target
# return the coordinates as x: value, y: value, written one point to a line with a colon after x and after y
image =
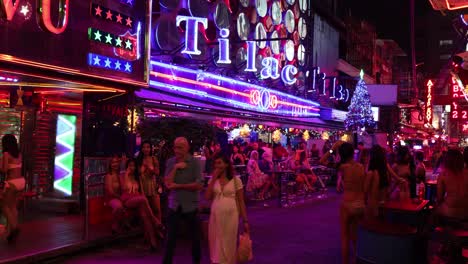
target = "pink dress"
x: 224, y: 222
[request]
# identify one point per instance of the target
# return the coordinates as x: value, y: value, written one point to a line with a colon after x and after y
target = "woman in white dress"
x: 226, y: 193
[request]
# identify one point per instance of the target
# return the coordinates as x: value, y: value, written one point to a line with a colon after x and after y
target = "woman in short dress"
x: 113, y: 191
x: 149, y: 177
x: 132, y: 198
x: 226, y: 193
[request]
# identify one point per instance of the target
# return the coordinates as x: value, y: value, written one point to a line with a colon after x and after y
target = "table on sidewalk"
x: 409, y: 211
x: 283, y: 182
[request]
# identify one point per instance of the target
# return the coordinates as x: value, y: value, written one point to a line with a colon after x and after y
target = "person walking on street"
x: 227, y: 196
x: 184, y: 182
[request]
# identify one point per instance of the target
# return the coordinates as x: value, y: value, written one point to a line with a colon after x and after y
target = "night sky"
x: 391, y: 17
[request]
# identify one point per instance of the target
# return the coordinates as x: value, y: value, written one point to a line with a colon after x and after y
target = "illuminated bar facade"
x: 63, y: 65
x: 234, y: 61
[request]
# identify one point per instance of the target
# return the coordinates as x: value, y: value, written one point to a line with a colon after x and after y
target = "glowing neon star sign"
x: 65, y: 153
x: 271, y: 67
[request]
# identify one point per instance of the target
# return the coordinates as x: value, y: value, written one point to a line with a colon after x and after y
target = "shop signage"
x: 213, y: 88
x: 270, y: 65
x: 329, y: 86
x: 103, y: 40
x: 429, y: 102
x: 459, y: 109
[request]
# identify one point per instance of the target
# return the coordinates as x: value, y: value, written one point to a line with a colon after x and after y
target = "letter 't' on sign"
x: 8, y: 9
x: 191, y: 33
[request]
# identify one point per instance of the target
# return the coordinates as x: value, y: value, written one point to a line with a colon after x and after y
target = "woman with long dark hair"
x: 150, y: 181
x: 452, y: 187
x: 14, y: 184
x: 132, y: 198
x: 227, y: 195
x: 377, y: 180
x: 405, y: 169
x: 351, y: 180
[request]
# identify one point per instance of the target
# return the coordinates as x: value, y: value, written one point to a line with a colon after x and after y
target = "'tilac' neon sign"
x: 271, y: 66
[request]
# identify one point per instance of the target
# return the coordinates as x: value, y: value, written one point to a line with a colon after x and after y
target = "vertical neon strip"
x: 251, y: 56
x: 64, y: 153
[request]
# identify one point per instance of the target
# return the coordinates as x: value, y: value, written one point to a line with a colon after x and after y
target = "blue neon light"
x: 270, y: 68
x: 288, y: 73
x: 224, y: 47
x: 127, y: 2
x: 251, y: 55
x: 191, y: 33
x: 216, y: 79
x: 99, y: 61
x: 223, y: 100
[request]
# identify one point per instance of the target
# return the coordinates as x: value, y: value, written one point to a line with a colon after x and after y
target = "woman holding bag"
x: 226, y: 193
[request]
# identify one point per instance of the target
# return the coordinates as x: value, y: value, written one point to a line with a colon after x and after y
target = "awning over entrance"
x: 159, y: 103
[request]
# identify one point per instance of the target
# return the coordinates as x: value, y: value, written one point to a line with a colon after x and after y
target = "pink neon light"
x: 10, y: 8
x: 219, y: 88
x: 47, y: 20
x: 255, y: 98
x: 455, y: 8
x: 429, y: 102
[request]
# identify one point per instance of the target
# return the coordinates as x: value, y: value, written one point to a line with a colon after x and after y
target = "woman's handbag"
x: 244, y: 250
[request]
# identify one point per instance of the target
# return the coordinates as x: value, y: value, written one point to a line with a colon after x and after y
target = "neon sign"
x: 65, y: 153
x: 223, y: 90
x: 322, y: 83
x: 271, y: 66
x: 264, y: 99
x: 429, y: 102
x: 10, y: 7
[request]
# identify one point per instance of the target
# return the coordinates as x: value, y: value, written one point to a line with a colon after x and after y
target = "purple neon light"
x: 216, y: 79
x: 219, y: 99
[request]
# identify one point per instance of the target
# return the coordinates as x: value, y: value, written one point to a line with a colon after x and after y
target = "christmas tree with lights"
x: 360, y: 115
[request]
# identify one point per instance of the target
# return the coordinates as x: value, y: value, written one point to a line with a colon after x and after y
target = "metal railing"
x: 95, y: 169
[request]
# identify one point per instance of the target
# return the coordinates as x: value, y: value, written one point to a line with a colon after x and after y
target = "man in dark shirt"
x: 184, y: 180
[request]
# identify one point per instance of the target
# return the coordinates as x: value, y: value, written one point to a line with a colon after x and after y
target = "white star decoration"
x: 128, y: 67
x: 117, y: 65
x: 130, y: 2
x: 109, y: 39
x: 97, y: 61
x: 118, y: 42
x: 108, y: 63
x: 128, y: 44
x: 24, y: 10
x: 97, y: 35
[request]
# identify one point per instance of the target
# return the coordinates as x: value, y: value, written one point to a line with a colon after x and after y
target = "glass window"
x: 445, y: 42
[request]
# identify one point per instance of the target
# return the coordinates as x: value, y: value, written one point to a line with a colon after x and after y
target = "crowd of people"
x: 366, y: 177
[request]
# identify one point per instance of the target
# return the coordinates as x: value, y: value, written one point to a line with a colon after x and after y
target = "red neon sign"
x: 429, y: 102
x: 263, y: 99
x: 10, y: 9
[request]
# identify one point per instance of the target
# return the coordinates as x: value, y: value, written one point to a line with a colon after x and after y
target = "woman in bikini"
x: 132, y: 198
x: 14, y: 184
x: 351, y: 179
x: 113, y: 191
x: 150, y: 182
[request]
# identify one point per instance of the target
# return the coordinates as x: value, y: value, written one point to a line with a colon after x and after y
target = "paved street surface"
x: 306, y: 233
